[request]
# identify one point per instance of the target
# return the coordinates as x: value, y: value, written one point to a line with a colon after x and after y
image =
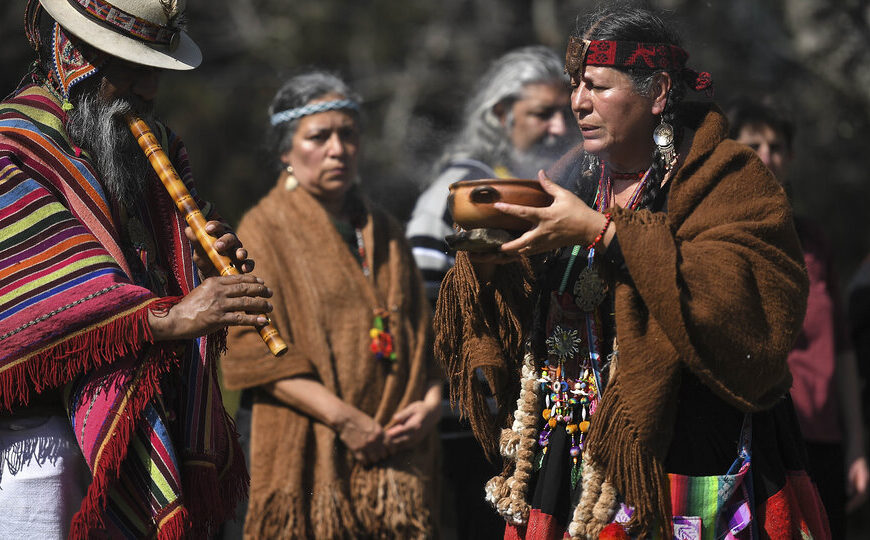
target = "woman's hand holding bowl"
x: 567, y: 221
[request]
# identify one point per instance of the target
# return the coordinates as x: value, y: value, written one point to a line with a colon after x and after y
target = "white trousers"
x: 43, y: 477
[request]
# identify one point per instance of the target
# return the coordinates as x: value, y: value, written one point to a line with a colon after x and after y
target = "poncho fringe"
x: 123, y: 335
x: 58, y: 363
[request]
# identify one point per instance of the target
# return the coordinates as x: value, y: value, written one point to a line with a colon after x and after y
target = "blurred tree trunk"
x: 832, y: 39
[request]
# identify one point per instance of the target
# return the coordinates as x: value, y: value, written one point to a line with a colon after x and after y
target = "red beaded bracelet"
x: 608, y: 218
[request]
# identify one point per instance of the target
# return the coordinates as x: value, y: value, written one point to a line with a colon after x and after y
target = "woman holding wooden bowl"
x: 635, y: 335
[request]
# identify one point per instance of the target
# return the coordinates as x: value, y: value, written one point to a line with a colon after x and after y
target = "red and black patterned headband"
x: 632, y: 54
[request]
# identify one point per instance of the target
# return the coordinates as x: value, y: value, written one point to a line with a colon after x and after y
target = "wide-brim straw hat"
x: 138, y: 31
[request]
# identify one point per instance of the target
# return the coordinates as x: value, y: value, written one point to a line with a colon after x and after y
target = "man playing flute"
x: 111, y: 422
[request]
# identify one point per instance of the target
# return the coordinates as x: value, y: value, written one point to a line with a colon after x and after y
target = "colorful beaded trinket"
x: 568, y: 403
x: 382, y: 341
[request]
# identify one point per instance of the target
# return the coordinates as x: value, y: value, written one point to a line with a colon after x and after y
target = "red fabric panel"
x: 541, y: 526
x: 795, y: 511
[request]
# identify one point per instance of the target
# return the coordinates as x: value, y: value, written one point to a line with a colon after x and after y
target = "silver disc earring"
x: 663, y: 136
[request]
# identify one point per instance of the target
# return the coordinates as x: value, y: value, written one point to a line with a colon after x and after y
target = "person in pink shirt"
x: 826, y: 390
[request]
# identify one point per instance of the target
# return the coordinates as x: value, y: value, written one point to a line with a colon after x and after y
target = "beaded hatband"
x: 128, y: 24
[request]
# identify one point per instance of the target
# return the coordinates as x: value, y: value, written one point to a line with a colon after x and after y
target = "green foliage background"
x: 415, y: 61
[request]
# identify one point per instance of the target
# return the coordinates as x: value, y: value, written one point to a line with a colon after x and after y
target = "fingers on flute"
x: 239, y: 278
x: 246, y: 266
x: 221, y: 231
x: 245, y: 311
x: 229, y: 243
x: 217, y: 228
x: 240, y: 318
x: 241, y: 300
x: 246, y: 302
x: 245, y: 285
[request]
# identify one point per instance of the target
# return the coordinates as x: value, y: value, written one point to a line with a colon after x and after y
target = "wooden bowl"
x: 471, y: 202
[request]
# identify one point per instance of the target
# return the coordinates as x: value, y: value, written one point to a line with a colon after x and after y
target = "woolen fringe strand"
x: 87, y: 349
x: 464, y: 315
x: 382, y: 504
x: 635, y: 473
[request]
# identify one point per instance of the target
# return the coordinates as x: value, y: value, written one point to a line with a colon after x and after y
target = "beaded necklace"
x: 361, y: 251
x: 605, y: 187
x: 381, y: 344
x: 572, y: 403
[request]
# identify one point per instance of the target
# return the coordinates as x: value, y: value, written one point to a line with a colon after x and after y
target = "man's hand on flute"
x: 226, y: 244
x: 215, y: 304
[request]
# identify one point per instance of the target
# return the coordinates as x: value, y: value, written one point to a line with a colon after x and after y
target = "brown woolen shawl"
x: 716, y: 285
x: 481, y: 328
x: 304, y: 481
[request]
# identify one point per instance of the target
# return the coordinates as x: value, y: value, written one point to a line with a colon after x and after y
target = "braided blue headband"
x: 313, y: 108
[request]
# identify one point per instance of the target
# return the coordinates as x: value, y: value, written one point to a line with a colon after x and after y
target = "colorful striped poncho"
x: 148, y: 416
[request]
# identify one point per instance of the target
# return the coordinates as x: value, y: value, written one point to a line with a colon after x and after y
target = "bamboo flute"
x: 192, y: 214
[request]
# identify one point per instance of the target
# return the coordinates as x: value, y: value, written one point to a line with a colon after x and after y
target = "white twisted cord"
x: 313, y: 108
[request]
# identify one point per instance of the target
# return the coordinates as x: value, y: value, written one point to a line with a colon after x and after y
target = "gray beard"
x: 542, y: 155
x: 99, y: 128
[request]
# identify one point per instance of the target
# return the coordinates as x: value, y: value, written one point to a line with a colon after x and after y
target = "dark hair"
x: 297, y: 91
x: 745, y: 111
x: 625, y: 22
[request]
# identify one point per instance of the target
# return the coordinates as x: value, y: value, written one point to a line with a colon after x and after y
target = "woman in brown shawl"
x: 343, y: 443
x: 636, y: 336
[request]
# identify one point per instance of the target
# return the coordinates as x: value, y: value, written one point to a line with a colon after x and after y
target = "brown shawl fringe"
x: 464, y: 342
x: 396, y: 508
x: 633, y: 469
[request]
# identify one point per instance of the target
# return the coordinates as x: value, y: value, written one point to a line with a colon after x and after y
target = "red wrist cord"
x: 609, y: 218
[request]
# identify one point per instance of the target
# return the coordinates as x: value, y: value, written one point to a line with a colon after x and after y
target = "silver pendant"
x: 589, y: 289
